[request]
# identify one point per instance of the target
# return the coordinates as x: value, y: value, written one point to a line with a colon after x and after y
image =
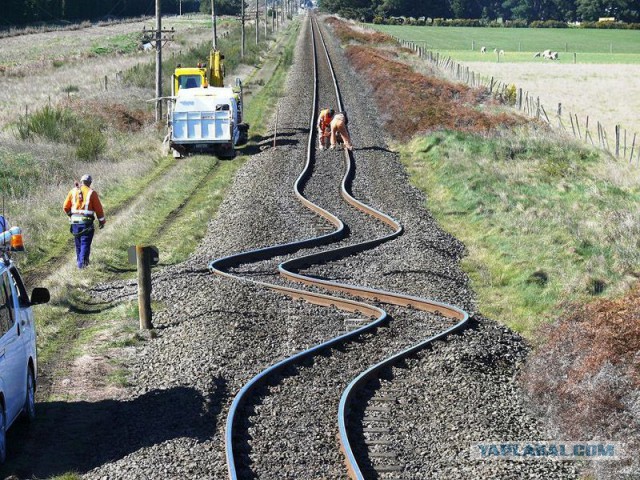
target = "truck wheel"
x: 30, y: 401
x: 227, y: 153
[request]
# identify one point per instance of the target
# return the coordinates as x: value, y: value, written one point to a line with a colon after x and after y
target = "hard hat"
x: 86, y: 178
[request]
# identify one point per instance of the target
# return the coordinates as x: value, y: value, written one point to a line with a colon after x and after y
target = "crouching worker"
x: 82, y: 205
x: 339, y: 131
x: 324, y: 127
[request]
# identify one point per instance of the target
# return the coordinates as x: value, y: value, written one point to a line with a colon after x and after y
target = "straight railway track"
x: 413, y: 322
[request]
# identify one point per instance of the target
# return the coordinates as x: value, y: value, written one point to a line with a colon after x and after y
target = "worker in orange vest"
x: 82, y: 205
x: 339, y: 131
x: 324, y: 129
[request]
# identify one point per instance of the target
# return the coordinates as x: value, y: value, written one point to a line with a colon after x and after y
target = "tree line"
x: 523, y: 10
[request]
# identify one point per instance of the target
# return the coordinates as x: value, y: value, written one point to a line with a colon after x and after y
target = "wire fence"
x: 621, y: 145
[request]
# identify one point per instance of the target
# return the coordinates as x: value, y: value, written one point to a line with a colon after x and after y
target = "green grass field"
x: 519, y: 44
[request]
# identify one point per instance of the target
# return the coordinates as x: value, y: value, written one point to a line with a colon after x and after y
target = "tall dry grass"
x: 585, y: 377
x: 609, y: 94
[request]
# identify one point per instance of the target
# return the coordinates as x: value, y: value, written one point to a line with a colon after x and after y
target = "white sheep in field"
x: 483, y: 49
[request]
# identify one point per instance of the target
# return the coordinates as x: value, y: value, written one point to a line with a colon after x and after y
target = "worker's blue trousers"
x: 83, y: 234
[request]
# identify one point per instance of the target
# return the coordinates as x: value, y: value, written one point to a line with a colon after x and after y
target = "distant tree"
x: 223, y: 7
x: 465, y: 9
x: 591, y: 10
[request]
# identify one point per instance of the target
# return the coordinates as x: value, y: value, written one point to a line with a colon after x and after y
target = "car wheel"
x: 30, y: 401
x: 3, y: 436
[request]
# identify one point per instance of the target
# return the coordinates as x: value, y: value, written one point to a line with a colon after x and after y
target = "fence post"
x: 574, y: 57
x: 633, y: 146
x: 106, y: 80
x: 617, y: 141
x: 519, y: 100
x: 559, y: 114
x: 144, y: 287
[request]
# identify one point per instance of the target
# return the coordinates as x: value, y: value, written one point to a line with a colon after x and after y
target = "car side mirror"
x: 39, y: 296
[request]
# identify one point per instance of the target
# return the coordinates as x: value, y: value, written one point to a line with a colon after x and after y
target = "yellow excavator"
x: 205, y: 115
x: 208, y: 75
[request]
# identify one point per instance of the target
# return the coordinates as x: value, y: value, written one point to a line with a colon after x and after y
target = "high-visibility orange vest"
x: 324, y: 120
x: 83, y: 204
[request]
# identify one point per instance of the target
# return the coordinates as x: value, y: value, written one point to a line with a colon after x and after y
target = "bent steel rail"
x: 288, y: 269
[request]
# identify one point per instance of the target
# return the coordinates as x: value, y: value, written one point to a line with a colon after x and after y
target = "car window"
x: 6, y: 305
x: 23, y: 297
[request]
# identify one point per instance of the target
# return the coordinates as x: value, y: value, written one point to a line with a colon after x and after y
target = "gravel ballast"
x: 216, y: 333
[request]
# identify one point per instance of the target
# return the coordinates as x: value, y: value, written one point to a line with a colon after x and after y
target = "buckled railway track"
x: 441, y: 319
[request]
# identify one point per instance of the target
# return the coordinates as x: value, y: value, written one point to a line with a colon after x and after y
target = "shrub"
x: 611, y: 25
x: 50, y: 123
x: 91, y: 142
x: 548, y: 24
x: 510, y: 94
x: 61, y: 125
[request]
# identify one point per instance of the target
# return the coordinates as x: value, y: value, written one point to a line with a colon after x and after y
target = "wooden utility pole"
x: 144, y: 286
x: 213, y: 25
x: 242, y: 22
x: 158, y: 62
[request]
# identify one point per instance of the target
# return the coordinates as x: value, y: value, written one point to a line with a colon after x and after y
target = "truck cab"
x: 18, y: 359
x: 188, y: 78
x: 205, y: 116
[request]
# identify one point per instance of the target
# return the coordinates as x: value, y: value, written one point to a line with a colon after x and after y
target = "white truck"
x: 205, y: 116
x: 206, y: 119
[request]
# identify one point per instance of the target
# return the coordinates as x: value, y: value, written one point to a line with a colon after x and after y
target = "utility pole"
x: 257, y: 21
x: 213, y: 24
x: 242, y: 21
x: 266, y: 19
x: 180, y: 7
x: 158, y: 62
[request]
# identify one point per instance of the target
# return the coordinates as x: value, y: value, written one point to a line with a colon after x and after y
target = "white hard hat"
x: 86, y: 178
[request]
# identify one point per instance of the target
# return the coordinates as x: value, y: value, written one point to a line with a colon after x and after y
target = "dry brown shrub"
x: 347, y: 34
x: 417, y: 103
x: 586, y: 373
x: 115, y: 115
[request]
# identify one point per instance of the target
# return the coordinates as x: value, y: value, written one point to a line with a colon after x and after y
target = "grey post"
x: 144, y: 286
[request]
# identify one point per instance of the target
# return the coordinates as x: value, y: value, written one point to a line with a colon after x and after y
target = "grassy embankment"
x: 147, y: 206
x: 545, y: 220
x: 519, y: 44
